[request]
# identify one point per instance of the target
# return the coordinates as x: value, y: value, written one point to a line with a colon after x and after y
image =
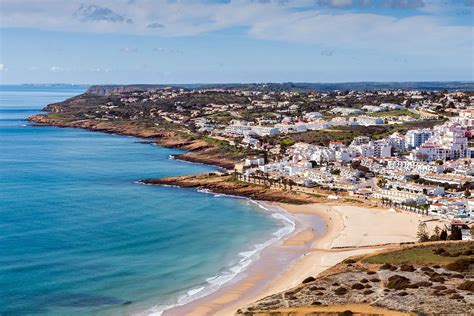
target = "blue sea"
x: 79, y: 235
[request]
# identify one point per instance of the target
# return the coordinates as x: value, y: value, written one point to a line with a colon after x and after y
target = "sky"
x: 211, y: 41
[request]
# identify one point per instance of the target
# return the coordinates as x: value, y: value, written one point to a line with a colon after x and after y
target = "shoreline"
x: 246, y: 260
x: 303, y: 253
x: 253, y: 279
x: 316, y: 254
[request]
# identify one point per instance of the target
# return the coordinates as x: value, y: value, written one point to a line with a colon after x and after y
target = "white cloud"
x: 58, y: 69
x: 290, y: 21
x: 3, y: 68
x: 129, y: 50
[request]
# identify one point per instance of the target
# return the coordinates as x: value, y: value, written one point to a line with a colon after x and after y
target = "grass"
x: 403, y: 112
x: 421, y: 254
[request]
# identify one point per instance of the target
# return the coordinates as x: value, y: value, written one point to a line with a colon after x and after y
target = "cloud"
x: 95, y: 13
x: 155, y: 25
x: 404, y: 4
x: 97, y: 69
x: 129, y: 50
x: 166, y: 50
x: 327, y: 23
x: 341, y: 3
x: 327, y: 52
x: 3, y: 68
x: 58, y: 69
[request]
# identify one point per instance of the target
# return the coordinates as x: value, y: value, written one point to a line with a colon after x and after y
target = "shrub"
x: 398, y: 282
x: 357, y: 286
x: 438, y: 251
x: 407, y: 268
x: 437, y: 278
x: 386, y: 266
x: 467, y: 286
x: 460, y: 265
x: 456, y: 297
x: 308, y: 279
x: 340, y: 291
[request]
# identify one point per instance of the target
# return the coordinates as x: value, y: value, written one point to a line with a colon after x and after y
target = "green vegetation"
x: 346, y: 134
x: 233, y: 151
x: 403, y: 112
x: 287, y: 142
x: 425, y: 254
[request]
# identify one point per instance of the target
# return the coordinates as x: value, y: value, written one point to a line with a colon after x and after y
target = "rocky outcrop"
x: 224, y: 184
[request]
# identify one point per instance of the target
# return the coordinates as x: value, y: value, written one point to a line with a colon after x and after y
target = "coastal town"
x: 383, y: 168
x: 405, y: 149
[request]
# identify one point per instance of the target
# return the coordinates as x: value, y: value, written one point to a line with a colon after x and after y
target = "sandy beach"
x: 314, y: 246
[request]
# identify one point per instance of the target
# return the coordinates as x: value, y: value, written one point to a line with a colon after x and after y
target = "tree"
x: 336, y: 172
x: 422, y: 233
x: 436, y: 234
x: 381, y: 183
x: 443, y: 235
x: 455, y: 233
x: 291, y: 183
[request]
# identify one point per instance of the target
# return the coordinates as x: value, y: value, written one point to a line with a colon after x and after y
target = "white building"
x: 346, y: 111
x: 391, y: 106
x: 415, y: 138
x: 311, y: 116
x: 372, y: 108
x: 414, y: 167
x: 448, y: 143
x: 369, y: 120
x: 402, y: 197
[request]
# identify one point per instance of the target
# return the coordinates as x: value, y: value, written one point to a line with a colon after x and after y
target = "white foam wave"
x: 247, y: 257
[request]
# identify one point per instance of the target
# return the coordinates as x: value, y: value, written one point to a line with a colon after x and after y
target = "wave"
x: 214, y: 283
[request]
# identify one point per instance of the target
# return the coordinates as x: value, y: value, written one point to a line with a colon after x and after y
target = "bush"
x: 357, y: 286
x: 467, y: 286
x: 308, y: 279
x: 407, y: 268
x: 437, y: 278
x: 460, y: 265
x: 340, y: 291
x: 386, y: 266
x: 438, y: 251
x: 398, y: 282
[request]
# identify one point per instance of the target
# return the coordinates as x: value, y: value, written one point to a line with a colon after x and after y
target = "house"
x: 401, y: 197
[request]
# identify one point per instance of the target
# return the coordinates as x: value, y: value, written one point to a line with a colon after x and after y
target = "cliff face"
x: 198, y: 151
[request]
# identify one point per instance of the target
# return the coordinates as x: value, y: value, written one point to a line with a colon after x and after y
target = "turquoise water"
x: 78, y: 235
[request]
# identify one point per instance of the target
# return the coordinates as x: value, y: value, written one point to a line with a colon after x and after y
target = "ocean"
x: 79, y: 235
